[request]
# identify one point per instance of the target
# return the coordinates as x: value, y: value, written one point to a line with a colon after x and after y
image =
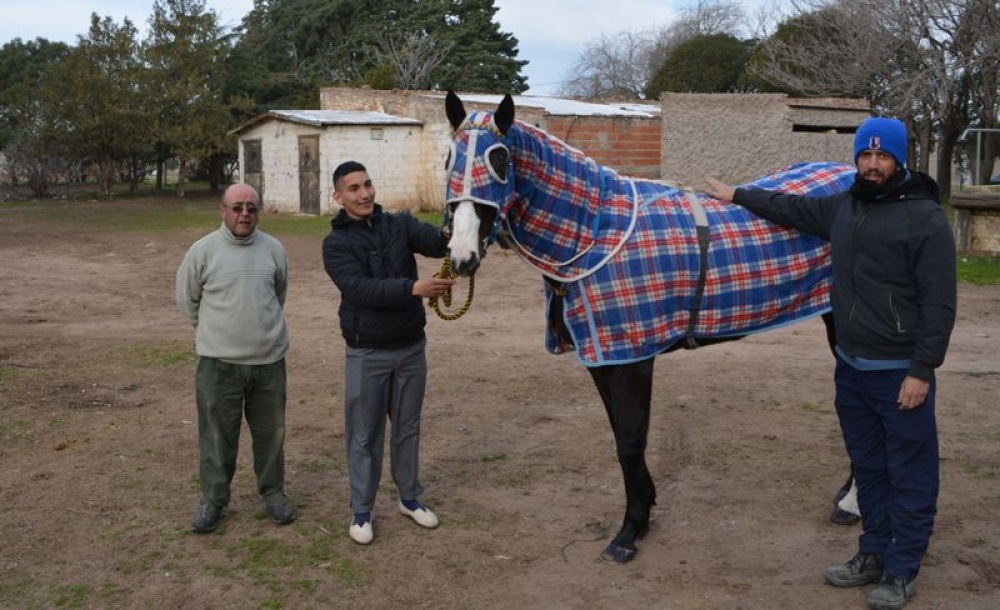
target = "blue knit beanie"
x: 878, y: 133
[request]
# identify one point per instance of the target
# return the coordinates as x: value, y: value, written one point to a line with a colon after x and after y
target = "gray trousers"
x: 382, y: 383
x: 226, y: 392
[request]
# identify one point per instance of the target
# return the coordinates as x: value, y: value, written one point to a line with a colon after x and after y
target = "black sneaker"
x: 860, y: 570
x: 892, y: 593
x: 207, y: 517
x: 282, y: 514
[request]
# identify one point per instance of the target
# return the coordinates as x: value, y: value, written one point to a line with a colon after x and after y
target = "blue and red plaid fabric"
x: 638, y: 302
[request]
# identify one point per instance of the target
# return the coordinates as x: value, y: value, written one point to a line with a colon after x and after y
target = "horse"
x: 632, y: 268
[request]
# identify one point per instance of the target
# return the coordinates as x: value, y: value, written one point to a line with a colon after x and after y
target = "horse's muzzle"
x: 466, y: 266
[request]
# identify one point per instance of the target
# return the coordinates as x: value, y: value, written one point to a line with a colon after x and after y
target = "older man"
x: 231, y: 287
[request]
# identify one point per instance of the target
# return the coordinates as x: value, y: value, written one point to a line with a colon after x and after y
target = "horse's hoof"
x: 842, y: 517
x: 618, y: 554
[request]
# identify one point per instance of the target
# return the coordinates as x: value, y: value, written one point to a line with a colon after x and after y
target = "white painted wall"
x: 392, y: 154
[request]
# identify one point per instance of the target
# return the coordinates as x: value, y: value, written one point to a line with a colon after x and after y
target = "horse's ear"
x: 454, y: 108
x: 504, y: 116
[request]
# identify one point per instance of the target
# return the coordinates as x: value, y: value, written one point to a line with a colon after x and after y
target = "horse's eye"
x: 498, y: 157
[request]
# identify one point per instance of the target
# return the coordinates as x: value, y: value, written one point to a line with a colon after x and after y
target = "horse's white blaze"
x: 464, y: 242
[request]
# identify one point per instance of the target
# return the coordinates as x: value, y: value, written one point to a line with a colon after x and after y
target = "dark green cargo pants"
x: 226, y: 392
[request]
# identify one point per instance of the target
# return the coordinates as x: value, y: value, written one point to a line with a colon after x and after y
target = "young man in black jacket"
x: 369, y: 255
x: 893, y: 300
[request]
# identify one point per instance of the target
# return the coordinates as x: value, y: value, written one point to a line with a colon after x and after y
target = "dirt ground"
x: 98, y: 456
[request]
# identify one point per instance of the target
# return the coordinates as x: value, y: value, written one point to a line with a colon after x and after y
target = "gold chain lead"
x: 446, y: 297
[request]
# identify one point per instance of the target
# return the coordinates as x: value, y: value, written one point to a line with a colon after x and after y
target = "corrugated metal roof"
x: 322, y: 118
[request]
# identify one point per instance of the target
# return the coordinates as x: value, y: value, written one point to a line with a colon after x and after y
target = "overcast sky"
x: 551, y: 34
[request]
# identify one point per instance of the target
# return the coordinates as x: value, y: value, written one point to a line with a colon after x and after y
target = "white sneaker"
x: 422, y: 516
x: 362, y: 534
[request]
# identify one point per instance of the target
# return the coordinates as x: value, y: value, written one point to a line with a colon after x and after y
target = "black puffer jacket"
x: 373, y: 265
x: 894, y: 276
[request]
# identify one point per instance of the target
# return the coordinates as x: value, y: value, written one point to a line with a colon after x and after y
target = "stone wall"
x: 977, y: 222
x: 738, y: 138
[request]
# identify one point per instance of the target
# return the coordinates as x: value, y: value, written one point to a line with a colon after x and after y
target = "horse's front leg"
x: 626, y: 391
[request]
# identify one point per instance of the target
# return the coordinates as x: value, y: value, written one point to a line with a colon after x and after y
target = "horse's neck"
x: 560, y: 194
x: 542, y: 160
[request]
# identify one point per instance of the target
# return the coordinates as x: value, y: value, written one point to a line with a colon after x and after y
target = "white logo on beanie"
x: 884, y: 135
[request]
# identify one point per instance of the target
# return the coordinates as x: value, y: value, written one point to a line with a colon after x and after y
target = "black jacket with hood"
x: 894, y: 275
x: 372, y: 263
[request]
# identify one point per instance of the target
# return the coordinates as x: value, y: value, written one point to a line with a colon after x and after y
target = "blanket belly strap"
x: 704, y: 237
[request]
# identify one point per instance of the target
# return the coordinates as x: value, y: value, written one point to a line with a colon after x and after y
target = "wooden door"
x: 309, y: 174
x: 253, y: 173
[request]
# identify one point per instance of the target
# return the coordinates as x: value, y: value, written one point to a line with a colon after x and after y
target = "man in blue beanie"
x: 893, y: 300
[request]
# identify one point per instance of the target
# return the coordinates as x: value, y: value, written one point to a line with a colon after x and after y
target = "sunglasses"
x: 238, y: 208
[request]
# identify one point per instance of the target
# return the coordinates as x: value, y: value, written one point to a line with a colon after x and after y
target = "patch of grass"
x: 979, y: 270
x: 15, y: 429
x: 492, y: 457
x: 306, y: 586
x: 10, y: 373
x: 270, y: 562
x: 144, y: 356
x: 161, y: 212
x: 72, y: 596
x: 304, y: 226
x: 18, y: 592
x: 350, y: 574
x: 139, y: 563
x: 811, y: 406
x: 161, y: 355
x: 977, y: 471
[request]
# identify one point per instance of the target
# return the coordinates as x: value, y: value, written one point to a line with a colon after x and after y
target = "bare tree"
x: 708, y: 17
x: 620, y: 65
x: 612, y: 66
x: 413, y: 56
x: 932, y: 63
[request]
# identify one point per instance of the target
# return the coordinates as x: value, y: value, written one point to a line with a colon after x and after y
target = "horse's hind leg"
x: 626, y: 391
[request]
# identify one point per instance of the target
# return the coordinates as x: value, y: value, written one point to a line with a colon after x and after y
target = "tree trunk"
x: 181, y: 170
x: 215, y: 171
x: 925, y: 142
x: 946, y: 153
x: 161, y: 166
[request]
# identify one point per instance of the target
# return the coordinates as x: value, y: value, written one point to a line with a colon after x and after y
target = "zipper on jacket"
x: 895, y: 314
x: 854, y: 256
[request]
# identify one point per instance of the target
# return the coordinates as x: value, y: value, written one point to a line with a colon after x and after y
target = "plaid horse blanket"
x: 642, y: 264
x: 640, y: 302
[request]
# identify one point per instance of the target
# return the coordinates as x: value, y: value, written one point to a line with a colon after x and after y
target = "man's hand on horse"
x: 432, y: 287
x: 719, y: 190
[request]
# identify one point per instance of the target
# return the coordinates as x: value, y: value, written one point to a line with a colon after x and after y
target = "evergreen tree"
x: 28, y: 122
x: 105, y: 113
x: 704, y: 64
x: 186, y: 52
x: 483, y: 58
x: 289, y: 49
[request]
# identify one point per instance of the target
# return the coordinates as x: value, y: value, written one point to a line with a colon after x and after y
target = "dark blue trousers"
x: 895, y: 457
